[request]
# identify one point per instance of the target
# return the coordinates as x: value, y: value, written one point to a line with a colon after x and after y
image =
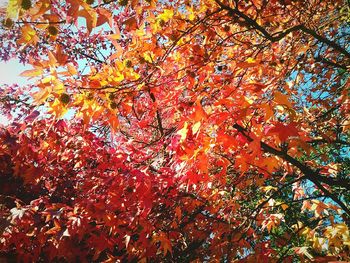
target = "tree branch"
x: 82, y: 53
x: 330, y: 63
x: 159, y: 119
x: 273, y: 37
x: 309, y: 173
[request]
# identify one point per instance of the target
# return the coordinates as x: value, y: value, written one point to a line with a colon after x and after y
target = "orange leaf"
x: 282, y: 99
x: 28, y: 35
x: 104, y: 16
x: 131, y: 24
x: 90, y: 17
x: 32, y: 72
x: 113, y: 121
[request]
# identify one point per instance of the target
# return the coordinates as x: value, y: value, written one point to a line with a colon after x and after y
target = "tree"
x: 196, y: 131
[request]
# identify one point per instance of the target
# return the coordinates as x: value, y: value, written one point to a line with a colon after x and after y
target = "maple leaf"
x: 193, y: 128
x: 131, y: 23
x: 284, y: 131
x: 89, y: 15
x: 32, y: 72
x: 165, y: 243
x: 282, y: 99
x: 12, y: 8
x: 28, y: 35
x: 183, y: 132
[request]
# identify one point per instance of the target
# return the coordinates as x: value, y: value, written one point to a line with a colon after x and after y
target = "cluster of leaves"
x: 197, y: 131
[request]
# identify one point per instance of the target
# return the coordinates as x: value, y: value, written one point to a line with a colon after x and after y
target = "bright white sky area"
x: 3, y: 3
x: 10, y: 70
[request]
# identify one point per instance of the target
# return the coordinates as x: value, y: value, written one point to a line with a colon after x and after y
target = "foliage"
x: 176, y: 131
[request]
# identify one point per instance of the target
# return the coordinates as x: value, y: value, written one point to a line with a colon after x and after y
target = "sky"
x: 10, y: 71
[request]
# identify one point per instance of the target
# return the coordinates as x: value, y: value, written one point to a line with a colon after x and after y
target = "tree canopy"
x: 176, y: 131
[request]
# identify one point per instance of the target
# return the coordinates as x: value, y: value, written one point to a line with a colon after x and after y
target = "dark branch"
x: 274, y: 38
x: 309, y: 173
x: 159, y: 119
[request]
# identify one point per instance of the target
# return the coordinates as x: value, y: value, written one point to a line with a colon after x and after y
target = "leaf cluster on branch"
x: 176, y: 131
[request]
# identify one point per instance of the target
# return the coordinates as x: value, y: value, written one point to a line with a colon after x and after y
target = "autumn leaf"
x: 183, y: 132
x: 131, y: 24
x: 165, y: 243
x: 32, y: 72
x: 284, y: 131
x: 28, y: 35
x: 282, y: 99
x: 12, y: 9
x: 175, y: 131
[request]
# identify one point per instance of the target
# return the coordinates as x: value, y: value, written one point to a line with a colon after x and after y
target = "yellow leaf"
x: 12, y: 8
x: 319, y: 243
x: 303, y: 251
x: 41, y: 96
x: 176, y: 56
x: 57, y: 108
x: 250, y: 60
x: 268, y: 188
x: 148, y: 56
x: 166, y: 15
x: 118, y: 77
x: 249, y: 100
x: 32, y: 72
x: 196, y: 127
x: 47, y: 79
x: 191, y: 14
x: 183, y: 132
